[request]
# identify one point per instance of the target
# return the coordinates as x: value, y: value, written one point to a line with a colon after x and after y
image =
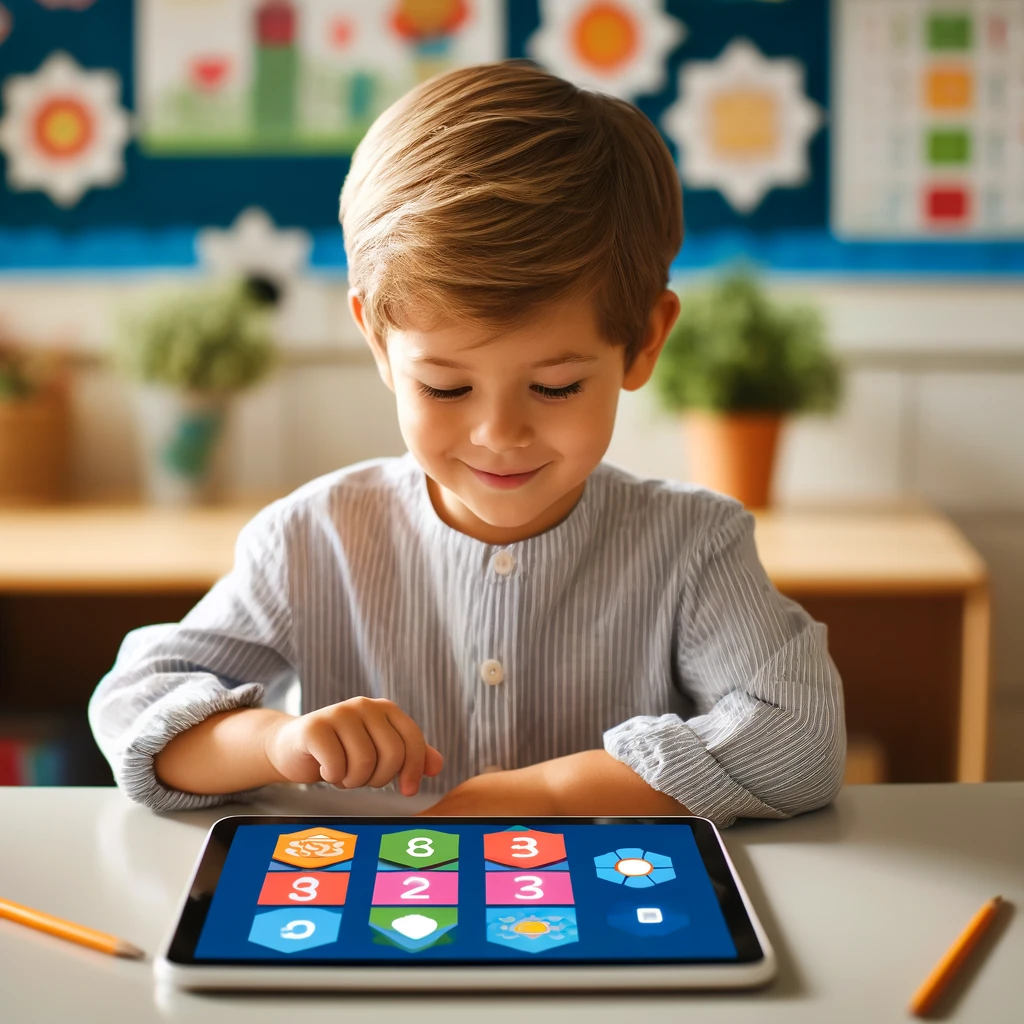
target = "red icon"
x: 313, y: 888
x: 524, y: 848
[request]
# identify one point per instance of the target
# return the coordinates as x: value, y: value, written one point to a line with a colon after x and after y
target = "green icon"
x: 413, y: 929
x: 949, y: 32
x: 419, y: 848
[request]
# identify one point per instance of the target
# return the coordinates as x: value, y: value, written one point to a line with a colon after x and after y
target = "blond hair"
x: 487, y: 192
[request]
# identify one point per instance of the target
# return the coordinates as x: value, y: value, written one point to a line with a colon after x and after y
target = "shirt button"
x: 491, y: 672
x: 487, y: 769
x: 504, y: 563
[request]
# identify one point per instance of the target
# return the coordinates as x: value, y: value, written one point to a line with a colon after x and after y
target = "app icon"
x: 524, y: 848
x: 414, y: 888
x: 315, y: 888
x: 539, y: 888
x: 634, y: 867
x: 646, y: 921
x: 291, y: 930
x: 418, y: 848
x: 413, y: 930
x: 532, y: 931
x: 315, y: 847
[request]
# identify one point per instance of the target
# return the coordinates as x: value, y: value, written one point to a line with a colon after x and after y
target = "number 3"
x: 527, y: 843
x: 306, y: 886
x: 534, y: 889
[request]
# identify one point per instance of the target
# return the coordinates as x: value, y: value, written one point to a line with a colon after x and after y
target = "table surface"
x: 860, y: 900
x: 90, y: 549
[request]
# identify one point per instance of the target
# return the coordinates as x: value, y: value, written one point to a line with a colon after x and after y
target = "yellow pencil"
x: 69, y: 930
x: 932, y: 987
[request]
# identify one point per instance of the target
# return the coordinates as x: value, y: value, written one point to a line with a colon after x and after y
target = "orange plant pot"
x: 34, y: 449
x: 733, y: 454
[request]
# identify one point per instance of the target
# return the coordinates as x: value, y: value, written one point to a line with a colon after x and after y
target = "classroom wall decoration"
x: 254, y: 246
x: 930, y: 119
x: 615, y: 46
x: 63, y: 129
x: 293, y: 76
x: 811, y: 136
x: 742, y: 124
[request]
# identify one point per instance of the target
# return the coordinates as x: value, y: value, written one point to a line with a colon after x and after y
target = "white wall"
x: 934, y: 409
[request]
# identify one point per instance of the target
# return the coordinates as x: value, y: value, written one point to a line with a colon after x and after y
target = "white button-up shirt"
x: 643, y: 623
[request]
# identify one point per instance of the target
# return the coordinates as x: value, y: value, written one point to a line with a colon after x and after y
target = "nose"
x: 503, y: 425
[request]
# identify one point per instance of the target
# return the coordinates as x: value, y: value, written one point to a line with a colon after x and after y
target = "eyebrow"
x: 565, y: 357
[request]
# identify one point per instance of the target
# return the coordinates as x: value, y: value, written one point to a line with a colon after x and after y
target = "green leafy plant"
x: 735, y: 350
x: 215, y: 338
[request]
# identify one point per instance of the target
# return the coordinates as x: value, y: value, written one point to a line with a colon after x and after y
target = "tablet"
x: 464, y: 903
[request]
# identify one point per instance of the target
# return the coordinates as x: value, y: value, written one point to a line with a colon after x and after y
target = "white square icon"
x: 649, y: 915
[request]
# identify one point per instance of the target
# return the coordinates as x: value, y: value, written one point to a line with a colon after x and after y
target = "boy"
x: 569, y: 638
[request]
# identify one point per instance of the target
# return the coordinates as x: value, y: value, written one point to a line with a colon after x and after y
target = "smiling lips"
x: 505, y: 480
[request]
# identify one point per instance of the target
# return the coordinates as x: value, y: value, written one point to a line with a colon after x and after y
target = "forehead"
x: 558, y: 334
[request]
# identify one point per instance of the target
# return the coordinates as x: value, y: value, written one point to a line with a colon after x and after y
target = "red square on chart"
x: 947, y: 204
x: 306, y: 888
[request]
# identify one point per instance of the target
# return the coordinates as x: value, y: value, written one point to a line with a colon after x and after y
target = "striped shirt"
x: 643, y: 622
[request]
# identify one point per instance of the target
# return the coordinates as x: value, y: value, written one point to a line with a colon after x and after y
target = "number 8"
x: 421, y: 846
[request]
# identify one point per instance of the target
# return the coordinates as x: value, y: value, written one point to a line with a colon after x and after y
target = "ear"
x: 380, y: 355
x: 659, y: 324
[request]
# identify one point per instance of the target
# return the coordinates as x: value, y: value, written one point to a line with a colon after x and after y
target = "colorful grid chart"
x: 416, y: 891
x: 530, y: 905
x: 929, y: 118
x: 310, y: 870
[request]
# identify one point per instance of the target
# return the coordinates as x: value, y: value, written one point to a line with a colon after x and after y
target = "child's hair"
x: 489, y: 191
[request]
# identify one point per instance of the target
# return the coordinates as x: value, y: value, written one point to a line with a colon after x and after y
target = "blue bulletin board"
x: 714, y: 75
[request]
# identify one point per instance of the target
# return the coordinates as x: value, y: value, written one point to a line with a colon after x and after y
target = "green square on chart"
x: 949, y: 32
x: 949, y: 146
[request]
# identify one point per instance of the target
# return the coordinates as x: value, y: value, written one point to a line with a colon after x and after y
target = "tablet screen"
x: 461, y: 891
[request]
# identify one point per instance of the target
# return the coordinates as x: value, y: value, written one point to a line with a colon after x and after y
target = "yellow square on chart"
x: 950, y: 89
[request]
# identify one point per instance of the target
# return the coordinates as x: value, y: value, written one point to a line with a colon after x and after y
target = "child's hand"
x: 359, y: 742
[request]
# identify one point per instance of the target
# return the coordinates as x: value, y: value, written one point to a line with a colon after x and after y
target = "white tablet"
x: 465, y: 903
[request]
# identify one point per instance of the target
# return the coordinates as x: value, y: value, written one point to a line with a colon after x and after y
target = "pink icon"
x: 416, y: 888
x: 531, y: 888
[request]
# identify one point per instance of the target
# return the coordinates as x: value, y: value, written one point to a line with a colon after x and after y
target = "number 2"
x: 307, y: 887
x: 413, y: 894
x: 534, y: 889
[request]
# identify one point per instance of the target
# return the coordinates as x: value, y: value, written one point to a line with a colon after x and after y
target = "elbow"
x: 814, y: 771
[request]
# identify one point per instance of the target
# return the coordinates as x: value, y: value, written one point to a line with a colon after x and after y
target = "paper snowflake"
x: 611, y: 46
x: 742, y: 124
x: 254, y: 246
x: 63, y: 130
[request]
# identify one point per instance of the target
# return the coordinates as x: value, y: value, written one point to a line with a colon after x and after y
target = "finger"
x: 433, y: 761
x: 390, y: 749
x: 414, y: 748
x: 323, y: 743
x: 359, y: 750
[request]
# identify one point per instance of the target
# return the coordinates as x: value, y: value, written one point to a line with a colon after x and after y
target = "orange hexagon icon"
x: 315, y: 847
x: 524, y: 848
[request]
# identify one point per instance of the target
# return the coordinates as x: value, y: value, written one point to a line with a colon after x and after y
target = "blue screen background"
x: 703, y: 936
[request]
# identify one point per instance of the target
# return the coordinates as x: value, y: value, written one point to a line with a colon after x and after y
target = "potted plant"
x: 188, y: 353
x: 34, y: 427
x: 736, y: 364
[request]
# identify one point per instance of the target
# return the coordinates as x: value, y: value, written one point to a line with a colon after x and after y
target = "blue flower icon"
x: 634, y: 867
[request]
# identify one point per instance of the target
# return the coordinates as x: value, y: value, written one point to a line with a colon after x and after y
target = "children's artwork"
x: 742, y: 124
x: 929, y: 100
x: 294, y: 76
x: 63, y: 130
x: 253, y: 245
x: 612, y: 46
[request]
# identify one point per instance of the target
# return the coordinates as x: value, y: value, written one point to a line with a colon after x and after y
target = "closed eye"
x: 569, y: 389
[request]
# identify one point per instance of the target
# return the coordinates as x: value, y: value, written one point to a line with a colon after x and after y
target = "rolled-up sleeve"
x: 167, y: 678
x: 769, y: 736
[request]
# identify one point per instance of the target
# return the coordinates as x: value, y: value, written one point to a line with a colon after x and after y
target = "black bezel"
x: 193, y: 915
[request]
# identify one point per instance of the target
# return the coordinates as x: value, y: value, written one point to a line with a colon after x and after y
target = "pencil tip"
x: 130, y: 952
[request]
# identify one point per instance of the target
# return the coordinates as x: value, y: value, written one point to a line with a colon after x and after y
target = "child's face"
x: 507, y: 414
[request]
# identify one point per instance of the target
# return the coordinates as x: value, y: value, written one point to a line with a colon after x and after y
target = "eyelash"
x: 569, y: 389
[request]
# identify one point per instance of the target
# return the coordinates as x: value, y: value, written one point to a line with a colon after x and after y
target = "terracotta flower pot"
x: 733, y: 454
x: 34, y: 448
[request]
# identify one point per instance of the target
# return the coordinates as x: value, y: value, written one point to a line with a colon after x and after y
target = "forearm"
x: 226, y: 753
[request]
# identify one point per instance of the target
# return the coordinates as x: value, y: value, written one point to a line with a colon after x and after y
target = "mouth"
x: 505, y: 480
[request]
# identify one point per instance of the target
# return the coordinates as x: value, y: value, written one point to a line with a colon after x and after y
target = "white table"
x: 859, y: 900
